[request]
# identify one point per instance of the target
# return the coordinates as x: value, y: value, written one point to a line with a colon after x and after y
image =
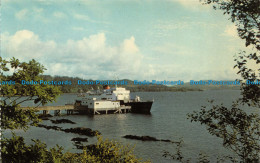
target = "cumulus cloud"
x: 93, y: 58
x: 129, y: 46
x: 25, y: 44
x: 90, y: 57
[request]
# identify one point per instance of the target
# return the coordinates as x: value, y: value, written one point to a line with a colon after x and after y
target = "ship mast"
x: 116, y: 78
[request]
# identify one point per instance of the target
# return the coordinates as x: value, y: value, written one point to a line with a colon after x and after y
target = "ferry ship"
x: 111, y: 100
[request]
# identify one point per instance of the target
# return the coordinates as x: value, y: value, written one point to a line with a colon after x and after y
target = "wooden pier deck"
x: 63, y: 107
x: 80, y: 110
x: 57, y: 109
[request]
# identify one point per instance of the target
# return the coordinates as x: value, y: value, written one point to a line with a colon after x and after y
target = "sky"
x: 125, y: 39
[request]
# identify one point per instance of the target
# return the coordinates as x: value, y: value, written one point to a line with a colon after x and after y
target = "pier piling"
x: 45, y: 112
x: 57, y: 112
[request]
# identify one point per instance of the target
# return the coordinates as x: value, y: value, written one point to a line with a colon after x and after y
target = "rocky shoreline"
x: 146, y: 138
x: 58, y: 121
x: 76, y: 130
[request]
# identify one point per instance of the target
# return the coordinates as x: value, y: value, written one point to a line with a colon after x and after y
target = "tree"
x: 14, y: 93
x: 104, y: 151
x: 246, y: 16
x: 238, y: 129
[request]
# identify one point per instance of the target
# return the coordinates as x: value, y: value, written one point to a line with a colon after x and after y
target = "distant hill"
x: 211, y: 86
x: 76, y: 88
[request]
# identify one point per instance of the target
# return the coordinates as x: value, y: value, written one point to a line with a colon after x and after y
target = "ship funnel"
x: 106, y: 87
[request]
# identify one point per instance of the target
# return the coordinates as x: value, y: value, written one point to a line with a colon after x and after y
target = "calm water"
x: 168, y: 120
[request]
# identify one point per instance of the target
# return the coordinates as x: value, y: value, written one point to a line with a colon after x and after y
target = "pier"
x: 57, y: 109
x: 63, y: 107
x: 71, y: 109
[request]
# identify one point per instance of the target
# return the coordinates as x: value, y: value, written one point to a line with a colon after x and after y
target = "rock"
x: 148, y: 138
x: 77, y: 130
x: 50, y: 127
x: 45, y: 119
x: 77, y: 139
x: 62, y: 121
x: 82, y: 131
x: 166, y: 140
x: 144, y: 138
x: 78, y: 145
x: 44, y: 116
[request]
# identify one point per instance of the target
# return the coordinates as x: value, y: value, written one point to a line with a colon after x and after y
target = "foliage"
x: 13, y: 117
x: 104, y: 151
x: 15, y: 150
x: 178, y: 156
x: 246, y: 16
x: 250, y: 92
x: 16, y: 93
x: 238, y: 130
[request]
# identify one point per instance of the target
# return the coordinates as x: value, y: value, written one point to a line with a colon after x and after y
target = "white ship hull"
x: 115, y: 100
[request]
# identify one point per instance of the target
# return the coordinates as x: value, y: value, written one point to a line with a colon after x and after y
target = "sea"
x: 168, y: 120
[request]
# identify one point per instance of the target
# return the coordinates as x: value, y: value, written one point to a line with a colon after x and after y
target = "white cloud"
x: 166, y: 25
x: 174, y: 49
x: 93, y: 58
x: 33, y: 14
x: 81, y: 17
x: 26, y: 45
x: 38, y: 10
x: 188, y: 2
x: 192, y: 4
x: 87, y: 18
x: 78, y: 29
x: 129, y: 46
x: 21, y: 14
x: 59, y: 15
x: 90, y: 56
x: 163, y: 28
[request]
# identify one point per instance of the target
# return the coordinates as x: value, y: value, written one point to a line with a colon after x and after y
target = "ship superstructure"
x: 111, y: 100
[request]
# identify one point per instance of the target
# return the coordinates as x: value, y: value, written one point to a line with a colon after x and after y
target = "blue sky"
x: 134, y: 39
